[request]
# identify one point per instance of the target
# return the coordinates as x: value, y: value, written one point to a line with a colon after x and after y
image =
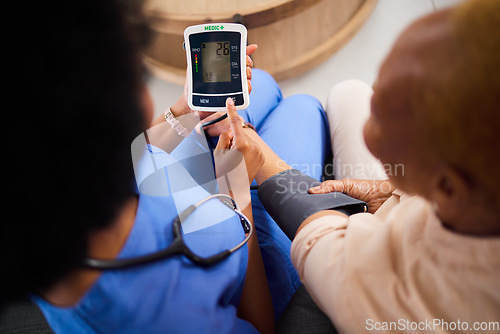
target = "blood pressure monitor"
x: 216, y: 62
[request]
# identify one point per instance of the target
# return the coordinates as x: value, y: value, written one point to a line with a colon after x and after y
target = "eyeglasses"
x: 179, y: 246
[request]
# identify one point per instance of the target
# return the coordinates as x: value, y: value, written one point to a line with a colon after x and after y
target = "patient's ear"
x: 451, y: 193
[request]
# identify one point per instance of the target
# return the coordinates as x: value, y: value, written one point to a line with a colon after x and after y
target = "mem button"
x: 206, y: 101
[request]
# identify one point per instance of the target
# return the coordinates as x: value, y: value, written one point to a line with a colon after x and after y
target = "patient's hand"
x: 374, y: 193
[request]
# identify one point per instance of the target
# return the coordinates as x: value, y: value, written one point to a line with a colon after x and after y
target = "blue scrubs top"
x: 173, y: 295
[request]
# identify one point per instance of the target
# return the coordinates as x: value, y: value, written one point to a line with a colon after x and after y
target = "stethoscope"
x: 178, y: 246
x: 212, y: 122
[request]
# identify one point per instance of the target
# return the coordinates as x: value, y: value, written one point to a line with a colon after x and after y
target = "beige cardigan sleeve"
x: 326, y: 258
x: 331, y: 255
x: 378, y: 274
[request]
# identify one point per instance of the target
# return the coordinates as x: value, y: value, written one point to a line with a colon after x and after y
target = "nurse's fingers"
x: 234, y: 119
x: 250, y: 49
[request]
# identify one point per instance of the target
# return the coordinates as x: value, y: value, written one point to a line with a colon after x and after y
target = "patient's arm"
x: 273, y: 164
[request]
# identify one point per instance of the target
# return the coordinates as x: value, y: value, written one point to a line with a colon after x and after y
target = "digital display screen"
x: 216, y: 61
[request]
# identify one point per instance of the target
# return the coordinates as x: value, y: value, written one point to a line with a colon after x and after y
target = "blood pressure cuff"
x: 286, y: 199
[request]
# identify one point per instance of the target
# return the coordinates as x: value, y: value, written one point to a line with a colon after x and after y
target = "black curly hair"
x: 74, y: 75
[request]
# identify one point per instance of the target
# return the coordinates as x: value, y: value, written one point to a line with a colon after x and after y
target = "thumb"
x: 328, y: 187
x: 225, y: 140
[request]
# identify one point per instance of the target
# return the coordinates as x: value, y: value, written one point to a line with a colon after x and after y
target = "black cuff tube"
x: 286, y: 199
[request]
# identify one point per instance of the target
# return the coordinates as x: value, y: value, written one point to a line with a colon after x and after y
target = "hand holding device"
x: 217, y: 123
x: 216, y: 71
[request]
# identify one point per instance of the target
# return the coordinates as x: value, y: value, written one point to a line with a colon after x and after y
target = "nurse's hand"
x: 236, y: 147
x: 374, y: 193
x: 218, y: 128
x: 244, y: 157
x: 181, y: 107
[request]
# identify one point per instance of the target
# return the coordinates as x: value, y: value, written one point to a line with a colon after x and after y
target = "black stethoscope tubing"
x: 217, y: 120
